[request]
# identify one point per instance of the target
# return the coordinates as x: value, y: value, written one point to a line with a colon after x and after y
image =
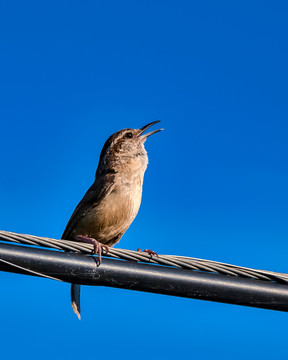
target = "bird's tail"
x: 75, y: 299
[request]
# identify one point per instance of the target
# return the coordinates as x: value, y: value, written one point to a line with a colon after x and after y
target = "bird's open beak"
x: 144, y: 128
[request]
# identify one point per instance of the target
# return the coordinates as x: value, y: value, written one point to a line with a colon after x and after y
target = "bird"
x: 112, y: 202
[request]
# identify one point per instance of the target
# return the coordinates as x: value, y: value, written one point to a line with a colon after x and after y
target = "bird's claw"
x: 148, y: 251
x: 97, y: 246
x: 99, y: 250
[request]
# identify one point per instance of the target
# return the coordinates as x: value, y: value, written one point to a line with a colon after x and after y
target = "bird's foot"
x: 98, y: 247
x: 148, y: 251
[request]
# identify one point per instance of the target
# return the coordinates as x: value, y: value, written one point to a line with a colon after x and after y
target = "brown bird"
x: 112, y: 202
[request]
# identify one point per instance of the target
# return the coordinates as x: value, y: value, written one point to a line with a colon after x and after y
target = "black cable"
x: 82, y: 269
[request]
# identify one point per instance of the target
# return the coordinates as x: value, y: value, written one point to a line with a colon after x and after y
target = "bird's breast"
x: 110, y: 218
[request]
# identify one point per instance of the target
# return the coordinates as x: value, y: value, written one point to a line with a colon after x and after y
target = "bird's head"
x: 124, y: 147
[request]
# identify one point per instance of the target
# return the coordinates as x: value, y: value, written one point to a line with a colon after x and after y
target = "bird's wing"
x: 101, y: 187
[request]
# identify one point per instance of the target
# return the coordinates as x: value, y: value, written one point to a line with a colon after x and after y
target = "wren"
x: 112, y: 202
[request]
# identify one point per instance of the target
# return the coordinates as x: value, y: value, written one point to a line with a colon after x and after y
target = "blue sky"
x: 215, y: 74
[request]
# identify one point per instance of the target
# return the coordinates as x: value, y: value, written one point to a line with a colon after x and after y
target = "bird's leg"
x: 148, y: 251
x: 98, y: 247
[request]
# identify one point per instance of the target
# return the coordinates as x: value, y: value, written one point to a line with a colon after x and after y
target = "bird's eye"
x: 128, y: 135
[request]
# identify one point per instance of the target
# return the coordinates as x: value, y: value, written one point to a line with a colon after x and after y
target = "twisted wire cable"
x: 184, y: 262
